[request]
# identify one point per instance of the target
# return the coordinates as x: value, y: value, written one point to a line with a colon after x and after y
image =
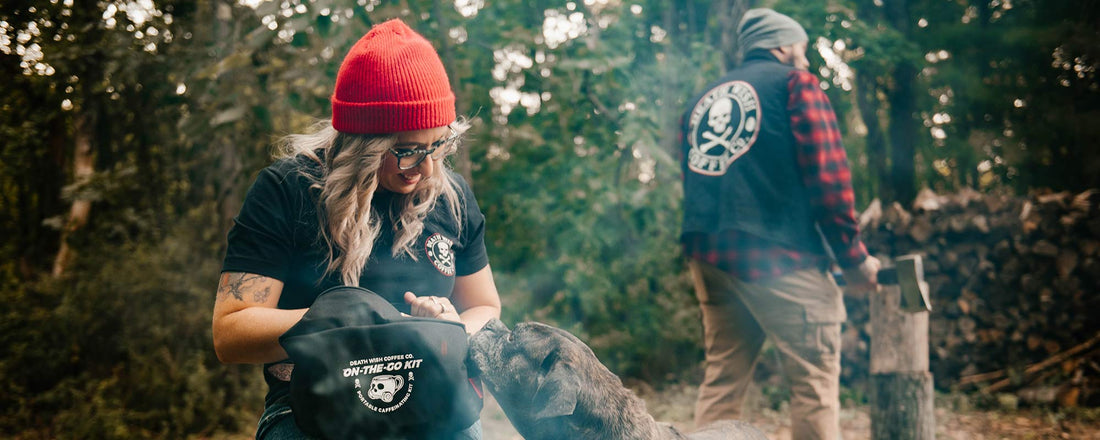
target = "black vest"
x: 739, y: 159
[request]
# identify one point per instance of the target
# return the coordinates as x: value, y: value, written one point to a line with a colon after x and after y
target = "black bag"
x: 362, y: 370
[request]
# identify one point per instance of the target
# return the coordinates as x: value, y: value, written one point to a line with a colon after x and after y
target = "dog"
x: 552, y: 387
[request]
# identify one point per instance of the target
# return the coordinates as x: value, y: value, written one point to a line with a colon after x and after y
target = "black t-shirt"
x: 277, y: 234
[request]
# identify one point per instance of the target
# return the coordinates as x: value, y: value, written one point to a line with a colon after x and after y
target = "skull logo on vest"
x: 719, y: 116
x: 731, y: 112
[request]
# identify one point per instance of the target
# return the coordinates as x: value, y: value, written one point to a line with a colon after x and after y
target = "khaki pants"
x: 801, y: 312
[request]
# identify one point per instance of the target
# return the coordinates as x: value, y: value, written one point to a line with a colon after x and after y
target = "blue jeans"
x: 277, y: 423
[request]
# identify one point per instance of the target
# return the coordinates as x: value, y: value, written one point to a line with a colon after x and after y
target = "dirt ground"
x: 954, y: 421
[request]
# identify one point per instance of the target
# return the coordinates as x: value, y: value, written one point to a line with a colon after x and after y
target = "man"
x: 765, y: 179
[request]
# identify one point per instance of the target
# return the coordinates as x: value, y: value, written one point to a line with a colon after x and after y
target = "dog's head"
x: 540, y: 375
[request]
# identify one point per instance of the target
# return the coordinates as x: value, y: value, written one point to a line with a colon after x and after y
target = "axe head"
x: 914, y: 290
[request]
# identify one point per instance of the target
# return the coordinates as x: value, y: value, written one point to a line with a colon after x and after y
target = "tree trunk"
x: 903, y: 133
x: 670, y: 116
x: 83, y: 168
x: 729, y: 16
x: 229, y: 166
x: 903, y: 109
x: 868, y: 104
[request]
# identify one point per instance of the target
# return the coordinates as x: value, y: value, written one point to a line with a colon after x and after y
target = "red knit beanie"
x: 392, y: 80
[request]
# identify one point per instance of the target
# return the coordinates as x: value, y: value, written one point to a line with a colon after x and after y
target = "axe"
x: 908, y: 274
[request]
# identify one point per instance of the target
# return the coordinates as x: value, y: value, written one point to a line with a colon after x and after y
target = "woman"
x: 364, y: 200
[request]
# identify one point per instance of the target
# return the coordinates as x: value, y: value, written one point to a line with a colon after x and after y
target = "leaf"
x: 588, y: 64
x: 234, y: 61
x: 259, y: 38
x: 227, y: 116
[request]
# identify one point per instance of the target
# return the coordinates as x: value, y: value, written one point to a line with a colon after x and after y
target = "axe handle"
x: 886, y: 275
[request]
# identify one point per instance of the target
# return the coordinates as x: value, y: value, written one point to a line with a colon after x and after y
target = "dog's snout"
x: 487, y: 336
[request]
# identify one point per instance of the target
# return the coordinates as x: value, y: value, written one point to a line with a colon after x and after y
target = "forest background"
x: 130, y: 130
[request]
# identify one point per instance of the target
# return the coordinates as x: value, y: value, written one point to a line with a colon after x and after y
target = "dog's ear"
x: 557, y: 392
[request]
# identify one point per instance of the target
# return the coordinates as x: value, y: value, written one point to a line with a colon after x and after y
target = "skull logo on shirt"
x: 441, y: 254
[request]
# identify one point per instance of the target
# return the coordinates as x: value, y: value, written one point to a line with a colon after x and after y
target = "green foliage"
x: 120, y: 347
x: 582, y: 199
x: 1006, y: 91
x: 124, y: 351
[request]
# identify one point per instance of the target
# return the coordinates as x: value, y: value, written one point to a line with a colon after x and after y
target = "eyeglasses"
x: 409, y: 158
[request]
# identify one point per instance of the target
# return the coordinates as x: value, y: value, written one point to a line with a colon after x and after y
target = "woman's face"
x: 393, y: 178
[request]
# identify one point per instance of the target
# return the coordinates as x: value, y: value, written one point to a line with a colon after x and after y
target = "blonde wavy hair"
x: 348, y: 181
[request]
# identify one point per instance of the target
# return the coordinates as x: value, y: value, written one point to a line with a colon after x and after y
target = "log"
x: 902, y: 407
x: 981, y: 377
x: 1045, y: 248
x: 1016, y: 277
x: 980, y: 223
x: 896, y: 217
x: 1066, y: 262
x: 1066, y: 395
x: 927, y: 200
x: 1043, y: 395
x: 1086, y: 200
x: 1089, y: 247
x: 1049, y: 362
x: 901, y: 386
x: 899, y: 340
x: 1056, y: 200
x: 921, y: 230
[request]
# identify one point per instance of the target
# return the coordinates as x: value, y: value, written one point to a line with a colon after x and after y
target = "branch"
x: 1035, y: 368
x: 595, y: 100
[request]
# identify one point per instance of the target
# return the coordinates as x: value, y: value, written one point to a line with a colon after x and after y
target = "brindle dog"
x: 552, y: 387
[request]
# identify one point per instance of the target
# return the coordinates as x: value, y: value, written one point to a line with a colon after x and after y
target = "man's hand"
x: 862, y: 278
x: 432, y: 307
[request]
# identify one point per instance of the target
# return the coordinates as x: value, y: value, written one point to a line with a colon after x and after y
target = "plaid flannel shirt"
x: 824, y: 166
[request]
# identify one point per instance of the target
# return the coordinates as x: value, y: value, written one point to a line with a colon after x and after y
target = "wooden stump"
x: 902, y: 406
x: 901, y: 386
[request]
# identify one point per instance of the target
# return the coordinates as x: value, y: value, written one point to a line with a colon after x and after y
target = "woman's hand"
x: 432, y: 307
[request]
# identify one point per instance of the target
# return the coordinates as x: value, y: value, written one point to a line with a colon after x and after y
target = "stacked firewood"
x: 1015, y: 283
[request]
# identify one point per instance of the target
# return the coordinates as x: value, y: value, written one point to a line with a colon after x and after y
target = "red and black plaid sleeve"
x: 747, y: 256
x: 824, y: 166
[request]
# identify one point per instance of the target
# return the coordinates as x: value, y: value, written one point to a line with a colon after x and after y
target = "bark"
x: 903, y: 110
x: 85, y: 117
x: 229, y: 166
x: 903, y: 133
x: 899, y: 340
x: 729, y: 13
x: 670, y: 127
x: 81, y: 208
x: 902, y: 406
x: 901, y: 386
x: 877, y: 148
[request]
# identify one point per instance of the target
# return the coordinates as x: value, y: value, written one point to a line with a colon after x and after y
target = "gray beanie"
x: 766, y: 29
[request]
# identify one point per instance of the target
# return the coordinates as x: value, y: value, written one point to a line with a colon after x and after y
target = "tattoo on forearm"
x: 261, y: 295
x: 235, y: 284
